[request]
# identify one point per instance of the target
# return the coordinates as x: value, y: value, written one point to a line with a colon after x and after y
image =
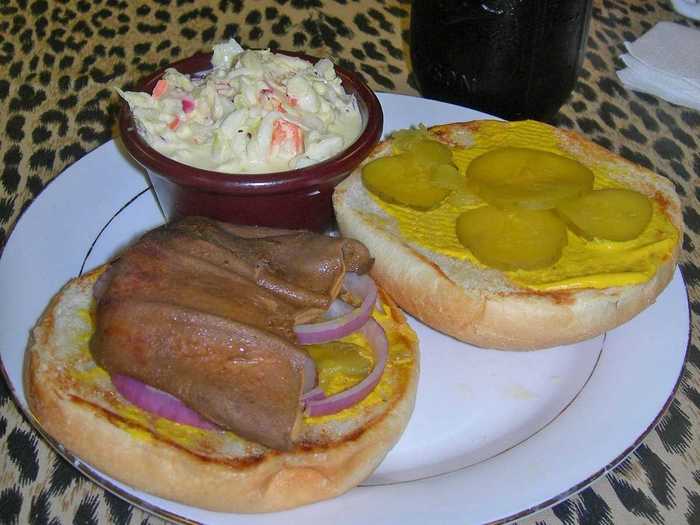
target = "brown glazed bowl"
x: 299, y: 198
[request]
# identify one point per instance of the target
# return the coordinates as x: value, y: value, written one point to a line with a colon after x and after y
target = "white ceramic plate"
x: 494, y: 436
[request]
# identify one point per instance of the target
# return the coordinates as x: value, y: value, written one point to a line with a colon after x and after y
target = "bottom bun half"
x: 76, y: 404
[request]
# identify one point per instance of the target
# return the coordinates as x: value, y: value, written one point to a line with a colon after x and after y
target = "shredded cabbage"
x: 232, y: 127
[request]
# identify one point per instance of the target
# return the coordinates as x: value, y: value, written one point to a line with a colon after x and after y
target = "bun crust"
x: 481, y: 306
x: 76, y: 405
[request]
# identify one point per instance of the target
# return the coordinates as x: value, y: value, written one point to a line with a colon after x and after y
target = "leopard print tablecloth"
x: 59, y: 61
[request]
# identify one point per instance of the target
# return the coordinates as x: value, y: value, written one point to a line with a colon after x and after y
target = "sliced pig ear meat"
x: 356, y: 256
x: 205, y: 312
x: 240, y: 378
x: 102, y: 283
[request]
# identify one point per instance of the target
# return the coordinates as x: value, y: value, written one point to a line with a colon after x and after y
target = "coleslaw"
x: 255, y: 111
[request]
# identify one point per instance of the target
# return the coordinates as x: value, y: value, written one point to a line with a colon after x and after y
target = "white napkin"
x: 665, y: 62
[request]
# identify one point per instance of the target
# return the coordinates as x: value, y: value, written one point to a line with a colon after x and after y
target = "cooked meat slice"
x: 206, y: 312
x: 242, y: 379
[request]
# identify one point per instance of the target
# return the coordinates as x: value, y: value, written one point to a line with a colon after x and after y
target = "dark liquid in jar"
x: 512, y: 58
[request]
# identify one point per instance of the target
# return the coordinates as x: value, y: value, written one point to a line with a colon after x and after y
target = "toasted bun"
x: 76, y: 404
x: 482, y: 306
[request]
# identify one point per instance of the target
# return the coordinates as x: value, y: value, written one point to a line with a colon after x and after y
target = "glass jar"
x: 515, y: 59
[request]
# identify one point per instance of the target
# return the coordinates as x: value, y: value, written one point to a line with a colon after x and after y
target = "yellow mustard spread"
x: 583, y: 264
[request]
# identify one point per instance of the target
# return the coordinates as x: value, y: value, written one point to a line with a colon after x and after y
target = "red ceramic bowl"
x: 298, y: 198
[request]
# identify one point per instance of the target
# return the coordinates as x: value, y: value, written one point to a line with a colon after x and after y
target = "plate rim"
x: 95, y: 475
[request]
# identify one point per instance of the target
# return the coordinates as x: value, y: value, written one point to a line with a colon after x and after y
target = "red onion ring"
x: 361, y: 285
x: 376, y: 337
x: 315, y: 393
x: 310, y: 375
x: 158, y: 402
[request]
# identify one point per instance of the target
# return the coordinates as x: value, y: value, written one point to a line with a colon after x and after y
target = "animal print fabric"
x: 59, y: 62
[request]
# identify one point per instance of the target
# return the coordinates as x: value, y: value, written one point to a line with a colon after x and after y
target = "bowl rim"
x: 242, y: 183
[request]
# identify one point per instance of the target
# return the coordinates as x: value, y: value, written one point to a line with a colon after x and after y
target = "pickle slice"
x: 611, y: 214
x: 527, y: 178
x: 446, y: 176
x: 338, y: 358
x: 512, y: 239
x: 404, y: 139
x: 430, y: 152
x: 397, y: 180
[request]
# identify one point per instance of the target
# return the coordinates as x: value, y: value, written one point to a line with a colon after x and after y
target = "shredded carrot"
x: 174, y: 123
x: 160, y: 89
x: 288, y: 133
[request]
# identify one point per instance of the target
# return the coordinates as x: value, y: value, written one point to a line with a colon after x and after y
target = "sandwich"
x: 232, y: 368
x: 512, y: 235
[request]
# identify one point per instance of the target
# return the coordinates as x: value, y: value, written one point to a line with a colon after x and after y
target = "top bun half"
x: 479, y: 305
